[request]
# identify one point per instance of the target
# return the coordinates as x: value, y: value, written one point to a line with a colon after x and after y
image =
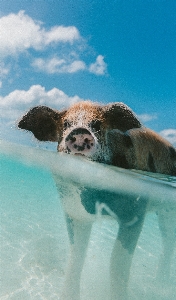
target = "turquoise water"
x: 34, y: 243
x: 32, y: 230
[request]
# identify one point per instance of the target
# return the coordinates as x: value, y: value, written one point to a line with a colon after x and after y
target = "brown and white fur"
x: 113, y: 135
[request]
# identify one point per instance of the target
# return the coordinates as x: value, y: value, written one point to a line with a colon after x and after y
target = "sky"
x: 57, y: 52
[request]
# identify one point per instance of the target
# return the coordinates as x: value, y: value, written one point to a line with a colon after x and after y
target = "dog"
x: 110, y: 134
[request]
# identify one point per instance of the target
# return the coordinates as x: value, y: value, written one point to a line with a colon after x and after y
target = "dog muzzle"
x: 80, y: 141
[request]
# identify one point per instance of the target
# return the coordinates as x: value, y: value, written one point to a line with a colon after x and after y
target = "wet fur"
x: 124, y: 142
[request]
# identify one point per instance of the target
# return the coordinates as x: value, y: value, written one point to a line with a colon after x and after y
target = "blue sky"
x: 58, y: 52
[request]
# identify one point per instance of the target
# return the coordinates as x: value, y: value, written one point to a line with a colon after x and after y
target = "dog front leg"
x: 167, y: 225
x: 121, y: 258
x: 79, y: 233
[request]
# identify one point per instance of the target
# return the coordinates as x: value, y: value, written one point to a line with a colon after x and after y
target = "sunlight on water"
x: 34, y: 243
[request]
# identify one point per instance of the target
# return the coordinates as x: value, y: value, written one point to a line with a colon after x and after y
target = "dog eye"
x: 95, y: 125
x: 66, y: 124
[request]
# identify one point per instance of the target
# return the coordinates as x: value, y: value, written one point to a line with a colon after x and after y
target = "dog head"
x: 81, y: 129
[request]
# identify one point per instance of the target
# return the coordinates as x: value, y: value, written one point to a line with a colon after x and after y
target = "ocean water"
x: 34, y: 244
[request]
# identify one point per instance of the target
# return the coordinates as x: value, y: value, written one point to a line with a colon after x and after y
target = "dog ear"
x: 43, y: 122
x: 120, y: 116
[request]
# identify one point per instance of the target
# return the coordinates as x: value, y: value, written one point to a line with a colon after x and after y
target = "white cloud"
x: 62, y: 34
x: 75, y: 66
x: 170, y: 135
x: 50, y: 66
x: 99, y: 67
x: 4, y: 70
x: 20, y: 32
x: 56, y: 65
x: 69, y: 65
x: 147, y: 117
x: 16, y: 103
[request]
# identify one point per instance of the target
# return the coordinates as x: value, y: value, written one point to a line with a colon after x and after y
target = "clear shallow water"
x: 34, y: 244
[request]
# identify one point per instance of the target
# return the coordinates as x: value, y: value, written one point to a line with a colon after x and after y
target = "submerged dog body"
x: 113, y: 135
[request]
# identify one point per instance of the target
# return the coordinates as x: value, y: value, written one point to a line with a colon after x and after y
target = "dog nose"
x: 79, y: 140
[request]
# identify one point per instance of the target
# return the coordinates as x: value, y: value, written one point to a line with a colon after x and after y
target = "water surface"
x: 33, y: 238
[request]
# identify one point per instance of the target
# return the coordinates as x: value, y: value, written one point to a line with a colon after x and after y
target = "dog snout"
x: 79, y: 140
